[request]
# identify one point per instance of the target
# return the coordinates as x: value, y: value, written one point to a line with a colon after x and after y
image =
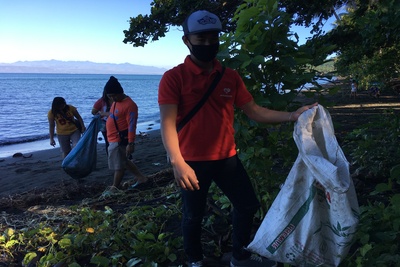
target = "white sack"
x: 313, y: 219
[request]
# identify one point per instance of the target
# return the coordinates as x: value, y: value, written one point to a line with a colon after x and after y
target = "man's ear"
x: 185, y: 40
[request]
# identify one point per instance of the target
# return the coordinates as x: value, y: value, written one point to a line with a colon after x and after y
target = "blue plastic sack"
x: 81, y: 161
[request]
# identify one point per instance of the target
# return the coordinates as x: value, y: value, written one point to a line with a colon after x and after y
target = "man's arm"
x: 185, y: 177
x: 265, y: 115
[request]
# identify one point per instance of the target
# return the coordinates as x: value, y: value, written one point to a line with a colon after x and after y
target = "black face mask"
x: 205, y: 53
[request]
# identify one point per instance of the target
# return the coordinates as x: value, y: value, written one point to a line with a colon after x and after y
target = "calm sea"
x: 26, y: 99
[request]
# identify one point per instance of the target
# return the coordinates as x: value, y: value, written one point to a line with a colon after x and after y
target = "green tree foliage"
x: 167, y: 13
x: 367, y: 40
x: 311, y: 13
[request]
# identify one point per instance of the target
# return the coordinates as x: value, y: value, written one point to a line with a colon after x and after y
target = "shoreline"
x: 27, y: 148
x: 42, y: 169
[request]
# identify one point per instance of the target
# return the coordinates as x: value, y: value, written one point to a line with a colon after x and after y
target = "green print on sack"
x: 339, y: 230
x: 274, y: 246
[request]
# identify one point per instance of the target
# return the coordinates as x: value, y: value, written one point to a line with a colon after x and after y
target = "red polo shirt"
x: 209, y: 135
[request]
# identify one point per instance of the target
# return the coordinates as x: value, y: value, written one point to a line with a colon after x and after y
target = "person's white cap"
x: 201, y: 21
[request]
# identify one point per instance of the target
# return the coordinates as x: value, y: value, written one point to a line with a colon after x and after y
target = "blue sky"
x: 83, y: 30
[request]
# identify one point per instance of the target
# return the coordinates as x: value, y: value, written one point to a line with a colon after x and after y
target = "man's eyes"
x: 206, y: 40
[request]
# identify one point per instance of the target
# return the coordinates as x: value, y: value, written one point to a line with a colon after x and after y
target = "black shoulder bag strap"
x: 196, y: 108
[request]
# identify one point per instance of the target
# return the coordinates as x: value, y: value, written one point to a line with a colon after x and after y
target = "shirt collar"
x: 197, y: 70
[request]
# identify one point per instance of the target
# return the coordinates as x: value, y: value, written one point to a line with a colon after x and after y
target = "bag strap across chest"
x: 203, y: 100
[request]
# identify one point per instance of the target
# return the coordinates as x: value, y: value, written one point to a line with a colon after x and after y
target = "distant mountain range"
x: 77, y: 67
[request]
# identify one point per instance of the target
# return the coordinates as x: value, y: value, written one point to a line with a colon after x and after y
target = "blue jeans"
x: 231, y: 177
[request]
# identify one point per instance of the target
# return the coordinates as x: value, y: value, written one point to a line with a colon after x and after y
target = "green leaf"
x: 257, y: 60
x: 29, y: 257
x: 242, y: 57
x: 172, y: 257
x: 48, y: 258
x: 365, y: 249
x: 100, y: 261
x: 11, y: 243
x: 382, y: 187
x: 395, y: 200
x: 10, y: 232
x: 145, y: 236
x: 65, y: 243
x: 364, y: 238
x: 395, y: 173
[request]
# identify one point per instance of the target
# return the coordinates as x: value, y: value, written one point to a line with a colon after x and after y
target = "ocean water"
x: 26, y: 99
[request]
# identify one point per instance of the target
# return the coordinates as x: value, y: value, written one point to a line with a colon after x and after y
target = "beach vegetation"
x: 90, y: 237
x: 378, y: 180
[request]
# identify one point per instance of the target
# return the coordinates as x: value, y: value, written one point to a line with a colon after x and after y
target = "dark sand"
x: 42, y: 170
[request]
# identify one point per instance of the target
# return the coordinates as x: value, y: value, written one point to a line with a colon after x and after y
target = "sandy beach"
x: 41, y: 170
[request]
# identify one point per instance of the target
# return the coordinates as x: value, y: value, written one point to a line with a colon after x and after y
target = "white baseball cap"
x: 201, y: 21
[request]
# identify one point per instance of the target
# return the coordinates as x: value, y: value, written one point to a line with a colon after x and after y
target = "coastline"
x: 41, y: 169
x: 27, y: 148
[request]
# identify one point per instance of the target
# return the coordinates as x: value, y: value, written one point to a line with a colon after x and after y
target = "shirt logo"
x: 226, y: 92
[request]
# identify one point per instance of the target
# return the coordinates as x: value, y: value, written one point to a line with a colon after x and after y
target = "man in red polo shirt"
x: 205, y: 150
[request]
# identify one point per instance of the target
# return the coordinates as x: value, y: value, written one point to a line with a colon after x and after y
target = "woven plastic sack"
x: 313, y: 219
x: 82, y: 159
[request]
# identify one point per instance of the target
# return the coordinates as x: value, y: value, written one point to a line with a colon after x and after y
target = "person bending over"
x: 64, y: 118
